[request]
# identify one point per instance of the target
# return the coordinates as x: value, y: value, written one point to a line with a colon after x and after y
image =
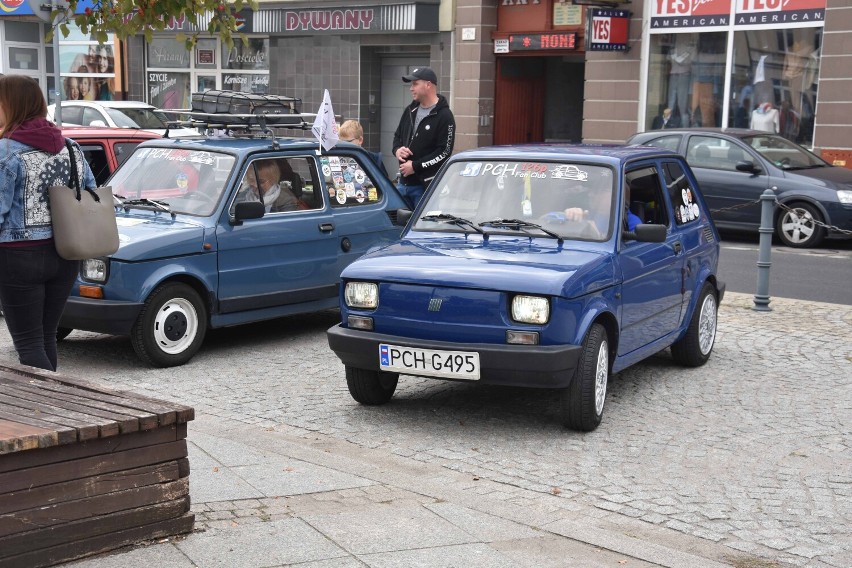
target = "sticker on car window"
x: 471, y: 170
x: 566, y: 171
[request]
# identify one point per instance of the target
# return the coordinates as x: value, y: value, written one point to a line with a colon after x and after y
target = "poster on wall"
x: 87, y: 71
x: 608, y: 30
x: 673, y: 15
x: 169, y: 90
x: 774, y: 12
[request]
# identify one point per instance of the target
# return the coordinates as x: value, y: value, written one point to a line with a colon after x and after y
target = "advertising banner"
x: 608, y: 30
x: 773, y: 12
x: 689, y: 14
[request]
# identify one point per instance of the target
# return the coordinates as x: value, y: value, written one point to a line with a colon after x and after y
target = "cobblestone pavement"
x: 752, y: 452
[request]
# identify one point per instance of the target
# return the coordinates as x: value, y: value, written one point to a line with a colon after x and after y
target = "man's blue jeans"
x: 34, y: 285
x: 411, y: 194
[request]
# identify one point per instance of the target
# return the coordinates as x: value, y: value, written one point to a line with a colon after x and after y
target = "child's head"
x: 85, y: 86
x: 72, y: 88
x: 351, y: 131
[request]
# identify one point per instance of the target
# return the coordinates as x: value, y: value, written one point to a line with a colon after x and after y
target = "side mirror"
x: 402, y: 217
x: 748, y: 167
x: 247, y: 210
x: 646, y: 233
x: 97, y: 123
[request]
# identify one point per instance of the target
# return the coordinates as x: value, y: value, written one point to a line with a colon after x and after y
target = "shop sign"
x: 164, y: 52
x: 608, y: 30
x: 772, y: 12
x: 324, y: 20
x: 501, y: 46
x: 682, y: 14
x: 543, y: 42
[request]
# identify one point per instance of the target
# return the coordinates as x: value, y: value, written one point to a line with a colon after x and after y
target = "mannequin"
x: 765, y: 118
x: 681, y: 56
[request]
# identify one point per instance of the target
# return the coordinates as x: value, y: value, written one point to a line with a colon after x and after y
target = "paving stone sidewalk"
x: 744, y: 462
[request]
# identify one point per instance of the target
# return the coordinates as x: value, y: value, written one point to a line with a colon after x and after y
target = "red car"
x: 106, y: 148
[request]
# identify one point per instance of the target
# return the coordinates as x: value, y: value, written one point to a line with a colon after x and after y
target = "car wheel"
x: 371, y: 387
x: 63, y: 332
x: 170, y: 327
x: 798, y: 228
x: 583, y: 401
x: 694, y: 348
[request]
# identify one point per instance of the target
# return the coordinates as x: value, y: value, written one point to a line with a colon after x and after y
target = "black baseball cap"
x: 422, y: 73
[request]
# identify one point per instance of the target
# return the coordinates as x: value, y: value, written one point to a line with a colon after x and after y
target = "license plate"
x: 429, y: 362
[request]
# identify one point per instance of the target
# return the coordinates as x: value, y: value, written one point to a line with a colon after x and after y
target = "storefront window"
x: 168, y: 89
x: 251, y: 57
x: 774, y: 81
x: 687, y: 76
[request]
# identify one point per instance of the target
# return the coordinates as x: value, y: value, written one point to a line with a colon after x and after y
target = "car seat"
x: 735, y: 154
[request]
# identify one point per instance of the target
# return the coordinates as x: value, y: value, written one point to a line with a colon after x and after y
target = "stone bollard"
x: 761, y: 297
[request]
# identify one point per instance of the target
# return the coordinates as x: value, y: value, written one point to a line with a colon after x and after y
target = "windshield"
x: 137, y: 118
x: 188, y: 181
x: 571, y: 200
x: 783, y: 153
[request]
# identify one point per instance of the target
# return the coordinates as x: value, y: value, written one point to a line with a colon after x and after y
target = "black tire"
x: 170, y: 327
x: 371, y: 387
x: 694, y: 348
x: 798, y: 229
x: 582, y: 403
x: 63, y: 332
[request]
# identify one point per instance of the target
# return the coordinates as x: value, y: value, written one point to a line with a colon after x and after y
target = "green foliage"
x: 126, y: 18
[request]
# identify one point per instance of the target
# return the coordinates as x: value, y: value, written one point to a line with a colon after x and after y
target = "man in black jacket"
x: 424, y: 139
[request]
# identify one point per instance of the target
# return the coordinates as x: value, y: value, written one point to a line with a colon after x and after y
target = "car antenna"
x: 261, y: 120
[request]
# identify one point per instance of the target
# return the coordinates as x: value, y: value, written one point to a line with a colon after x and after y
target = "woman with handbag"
x: 34, y: 280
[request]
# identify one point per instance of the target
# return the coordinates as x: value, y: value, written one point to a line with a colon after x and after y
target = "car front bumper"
x: 101, y: 316
x: 536, y: 366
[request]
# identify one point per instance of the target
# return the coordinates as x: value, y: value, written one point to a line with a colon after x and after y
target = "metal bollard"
x: 761, y: 297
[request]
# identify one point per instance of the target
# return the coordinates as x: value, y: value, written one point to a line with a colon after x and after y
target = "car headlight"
x: 530, y: 309
x: 364, y: 295
x: 844, y: 196
x: 94, y: 269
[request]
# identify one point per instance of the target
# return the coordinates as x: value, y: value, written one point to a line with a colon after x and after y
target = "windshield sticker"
x: 359, y: 176
x: 534, y: 170
x: 326, y: 170
x: 175, y: 155
x: 334, y: 162
x: 182, y: 181
x: 373, y: 194
x: 341, y: 197
x: 359, y: 196
x: 471, y: 169
x: 569, y: 172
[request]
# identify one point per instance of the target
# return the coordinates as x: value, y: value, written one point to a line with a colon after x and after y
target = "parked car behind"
x: 518, y: 269
x: 734, y: 166
x: 198, y: 252
x: 118, y: 114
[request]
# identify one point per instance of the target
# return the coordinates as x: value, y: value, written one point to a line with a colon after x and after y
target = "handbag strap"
x: 75, y: 179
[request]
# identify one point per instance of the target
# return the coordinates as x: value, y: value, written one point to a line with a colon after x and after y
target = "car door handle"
x: 326, y: 227
x: 677, y: 247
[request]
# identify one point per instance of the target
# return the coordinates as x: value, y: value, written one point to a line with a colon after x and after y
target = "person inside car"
x: 599, y: 211
x: 263, y: 183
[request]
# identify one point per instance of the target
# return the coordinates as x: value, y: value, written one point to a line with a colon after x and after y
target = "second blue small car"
x: 537, y: 266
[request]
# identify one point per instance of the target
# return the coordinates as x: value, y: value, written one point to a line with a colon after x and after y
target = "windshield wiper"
x: 460, y: 221
x: 145, y: 202
x: 520, y: 225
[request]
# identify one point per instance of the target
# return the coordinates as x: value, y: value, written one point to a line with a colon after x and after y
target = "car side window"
x: 91, y: 115
x: 123, y: 150
x: 714, y: 153
x: 644, y: 195
x: 96, y: 155
x: 684, y: 203
x: 282, y: 184
x: 668, y: 142
x: 72, y: 114
x: 348, y: 183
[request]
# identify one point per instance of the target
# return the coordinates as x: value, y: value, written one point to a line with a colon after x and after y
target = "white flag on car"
x: 325, y: 127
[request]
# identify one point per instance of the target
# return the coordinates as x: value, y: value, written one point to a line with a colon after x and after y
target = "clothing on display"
x: 765, y: 118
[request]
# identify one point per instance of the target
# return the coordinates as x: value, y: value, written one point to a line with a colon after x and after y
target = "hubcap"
x: 798, y: 225
x: 707, y: 324
x: 175, y: 326
x: 601, y: 372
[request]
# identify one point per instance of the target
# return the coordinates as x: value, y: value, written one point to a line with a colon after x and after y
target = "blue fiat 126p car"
x: 200, y: 250
x: 537, y: 266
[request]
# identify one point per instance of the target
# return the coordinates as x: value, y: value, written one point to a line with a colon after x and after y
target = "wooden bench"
x: 85, y: 469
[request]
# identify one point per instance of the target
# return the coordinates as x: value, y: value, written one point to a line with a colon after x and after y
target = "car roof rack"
x: 251, y: 125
